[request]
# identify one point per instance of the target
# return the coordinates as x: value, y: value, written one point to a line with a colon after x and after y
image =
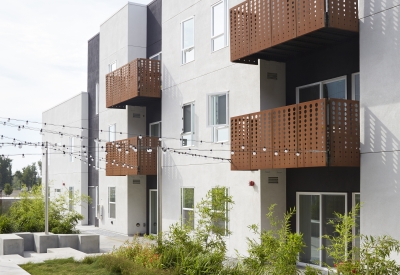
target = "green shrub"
x: 5, y: 225
x: 275, y: 251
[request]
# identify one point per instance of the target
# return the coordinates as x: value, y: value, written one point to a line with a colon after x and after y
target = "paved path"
x: 108, y: 241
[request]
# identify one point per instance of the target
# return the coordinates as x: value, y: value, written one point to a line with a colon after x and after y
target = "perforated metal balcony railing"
x: 281, y: 29
x: 133, y: 84
x: 319, y: 133
x: 132, y: 156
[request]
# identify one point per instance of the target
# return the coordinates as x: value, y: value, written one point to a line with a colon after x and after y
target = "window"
x: 111, y: 132
x: 314, y: 212
x: 111, y: 203
x: 219, y: 25
x: 155, y: 129
x: 187, y: 40
x: 71, y: 149
x: 332, y: 88
x: 157, y: 56
x: 96, y: 153
x: 97, y: 98
x: 187, y: 202
x: 220, y: 210
x: 71, y: 198
x: 112, y: 67
x: 218, y: 116
x: 355, y: 80
x: 188, y: 124
x: 356, y: 229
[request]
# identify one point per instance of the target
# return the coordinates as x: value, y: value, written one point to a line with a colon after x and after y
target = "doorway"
x: 153, y: 213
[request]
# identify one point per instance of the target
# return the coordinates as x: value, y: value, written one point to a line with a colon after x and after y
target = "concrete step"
x: 10, y: 268
x: 67, y: 252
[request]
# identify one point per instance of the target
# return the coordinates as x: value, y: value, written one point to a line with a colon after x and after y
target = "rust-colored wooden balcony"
x: 319, y: 133
x: 132, y: 156
x: 134, y: 84
x: 282, y: 29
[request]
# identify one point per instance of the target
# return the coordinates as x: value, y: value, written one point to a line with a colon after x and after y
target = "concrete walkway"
x: 9, y: 264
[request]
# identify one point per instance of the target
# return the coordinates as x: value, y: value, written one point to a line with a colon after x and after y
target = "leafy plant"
x: 275, y: 251
x: 8, y: 189
x: 5, y: 225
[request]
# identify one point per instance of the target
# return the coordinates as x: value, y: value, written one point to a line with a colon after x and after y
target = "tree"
x: 29, y: 174
x: 5, y: 171
x: 17, y: 180
x: 8, y: 189
x: 39, y: 178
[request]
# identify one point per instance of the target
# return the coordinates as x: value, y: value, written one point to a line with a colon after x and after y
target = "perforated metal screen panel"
x: 316, y: 133
x: 257, y: 25
x: 310, y: 16
x: 138, y: 161
x: 140, y: 78
x: 343, y: 14
x: 344, y: 132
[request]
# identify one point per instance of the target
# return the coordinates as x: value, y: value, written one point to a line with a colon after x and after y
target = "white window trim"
x: 226, y: 25
x: 115, y: 132
x: 353, y: 85
x: 96, y: 154
x: 97, y: 99
x: 298, y: 194
x: 214, y: 134
x: 227, y: 109
x: 183, y: 50
x: 153, y: 123
x: 110, y: 66
x: 321, y: 83
x: 115, y: 203
x: 191, y: 133
x: 184, y: 208
x: 157, y: 54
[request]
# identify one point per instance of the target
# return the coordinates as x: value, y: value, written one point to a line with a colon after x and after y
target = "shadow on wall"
x: 378, y: 139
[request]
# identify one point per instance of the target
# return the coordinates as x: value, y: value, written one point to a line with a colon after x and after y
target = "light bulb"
x: 140, y: 136
x: 286, y: 150
x: 264, y: 149
x: 19, y: 145
x: 254, y: 153
x: 119, y: 149
x: 19, y: 128
x: 126, y: 152
x: 242, y: 147
x: 298, y: 154
x: 149, y: 150
x: 276, y: 153
x: 23, y: 156
x: 159, y: 139
x: 232, y: 153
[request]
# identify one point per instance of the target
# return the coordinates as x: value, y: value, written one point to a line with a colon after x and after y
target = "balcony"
x: 319, y: 133
x: 134, y: 84
x: 132, y: 156
x: 282, y: 29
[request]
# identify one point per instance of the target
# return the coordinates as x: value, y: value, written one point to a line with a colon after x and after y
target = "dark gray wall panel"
x: 154, y: 27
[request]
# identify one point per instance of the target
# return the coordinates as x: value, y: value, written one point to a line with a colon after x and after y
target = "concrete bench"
x: 68, y: 240
x: 29, y: 244
x: 11, y: 244
x: 89, y: 243
x: 43, y: 242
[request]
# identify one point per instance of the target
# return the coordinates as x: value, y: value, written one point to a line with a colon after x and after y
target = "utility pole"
x: 46, y: 193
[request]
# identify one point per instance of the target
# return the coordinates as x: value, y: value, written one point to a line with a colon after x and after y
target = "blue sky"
x: 43, y: 53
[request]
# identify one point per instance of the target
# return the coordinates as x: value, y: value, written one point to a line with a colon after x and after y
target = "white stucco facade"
x: 122, y: 39
x: 380, y: 110
x: 67, y: 172
x: 249, y: 91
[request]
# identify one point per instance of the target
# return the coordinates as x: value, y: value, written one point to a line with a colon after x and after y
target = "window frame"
x: 192, y: 114
x: 321, y: 83
x: 154, y: 123
x: 70, y: 198
x: 185, y: 208
x: 217, y: 127
x: 226, y: 25
x: 353, y: 85
x: 159, y: 55
x: 71, y: 149
x: 110, y: 66
x: 110, y: 132
x: 298, y: 194
x: 97, y: 99
x: 96, y: 153
x: 110, y: 202
x: 183, y: 49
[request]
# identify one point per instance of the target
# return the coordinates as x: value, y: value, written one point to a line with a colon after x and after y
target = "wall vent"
x: 273, y: 180
x: 134, y: 115
x: 273, y: 76
x: 136, y: 181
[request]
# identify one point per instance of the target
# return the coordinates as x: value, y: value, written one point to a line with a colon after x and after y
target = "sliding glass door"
x: 314, y: 210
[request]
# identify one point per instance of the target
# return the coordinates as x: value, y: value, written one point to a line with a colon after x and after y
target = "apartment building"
x: 65, y: 131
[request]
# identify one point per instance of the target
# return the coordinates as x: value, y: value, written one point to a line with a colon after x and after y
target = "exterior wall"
x: 122, y: 39
x: 62, y: 172
x: 380, y: 108
x: 93, y: 80
x: 192, y: 82
x: 154, y: 10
